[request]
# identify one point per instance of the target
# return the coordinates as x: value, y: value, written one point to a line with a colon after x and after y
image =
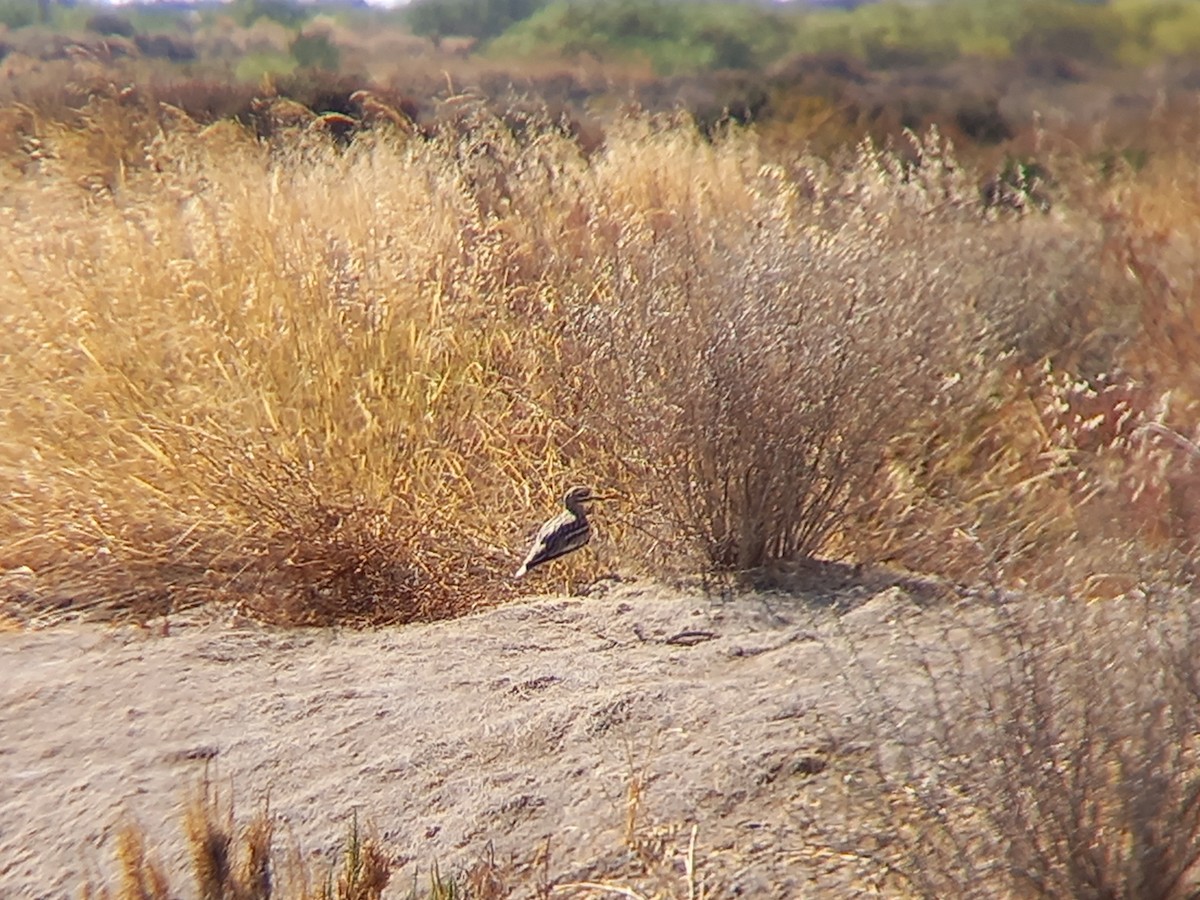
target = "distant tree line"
x: 678, y: 36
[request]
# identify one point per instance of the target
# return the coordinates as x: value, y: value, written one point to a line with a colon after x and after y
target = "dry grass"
x: 228, y: 863
x: 204, y: 398
x: 336, y: 383
x: 1093, y: 729
x: 1056, y: 756
x: 1078, y: 461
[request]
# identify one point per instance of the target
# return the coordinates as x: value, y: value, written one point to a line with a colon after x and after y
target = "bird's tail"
x: 520, y: 573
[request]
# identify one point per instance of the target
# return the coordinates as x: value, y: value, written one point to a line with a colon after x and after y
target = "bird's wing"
x: 559, y: 536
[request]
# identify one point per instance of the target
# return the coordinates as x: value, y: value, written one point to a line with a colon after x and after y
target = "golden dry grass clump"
x: 265, y: 377
x: 232, y: 863
x: 333, y: 383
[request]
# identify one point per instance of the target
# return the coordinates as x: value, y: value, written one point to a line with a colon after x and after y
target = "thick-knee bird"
x: 565, y: 533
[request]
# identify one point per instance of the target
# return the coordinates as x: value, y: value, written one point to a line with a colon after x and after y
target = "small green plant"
x: 439, y: 887
x: 286, y: 12
x: 365, y: 870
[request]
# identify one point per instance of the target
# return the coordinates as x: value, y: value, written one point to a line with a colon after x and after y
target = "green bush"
x: 111, y: 24
x: 1079, y: 31
x: 18, y: 13
x: 679, y: 37
x: 1154, y: 28
x: 895, y: 33
x: 481, y: 19
x: 674, y: 37
x: 316, y: 51
x: 286, y: 12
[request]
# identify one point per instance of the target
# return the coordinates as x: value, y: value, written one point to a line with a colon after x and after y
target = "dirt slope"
x: 529, y: 727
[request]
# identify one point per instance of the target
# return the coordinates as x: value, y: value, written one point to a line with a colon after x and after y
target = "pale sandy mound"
x: 528, y: 727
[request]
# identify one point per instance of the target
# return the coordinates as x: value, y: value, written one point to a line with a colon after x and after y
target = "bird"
x: 563, y: 534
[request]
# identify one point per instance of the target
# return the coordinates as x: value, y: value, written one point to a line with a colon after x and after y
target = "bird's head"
x: 579, y: 497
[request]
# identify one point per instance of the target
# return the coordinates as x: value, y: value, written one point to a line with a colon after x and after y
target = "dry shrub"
x: 226, y: 866
x: 1079, y: 456
x: 334, y: 383
x: 1155, y: 239
x: 142, y: 877
x: 1032, y: 747
x: 750, y: 341
x: 1058, y: 475
x: 1089, y: 776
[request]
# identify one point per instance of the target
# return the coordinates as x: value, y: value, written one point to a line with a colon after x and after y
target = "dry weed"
x: 331, y: 383
x: 1035, y: 747
x: 231, y: 863
x: 751, y: 342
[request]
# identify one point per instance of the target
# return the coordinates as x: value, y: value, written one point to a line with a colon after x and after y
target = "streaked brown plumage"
x: 565, y: 533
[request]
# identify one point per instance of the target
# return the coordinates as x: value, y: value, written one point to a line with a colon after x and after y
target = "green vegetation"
x: 18, y: 13
x: 688, y: 37
x: 700, y: 36
x: 255, y: 66
x: 286, y: 12
x: 481, y: 19
x: 674, y: 37
x: 315, y: 51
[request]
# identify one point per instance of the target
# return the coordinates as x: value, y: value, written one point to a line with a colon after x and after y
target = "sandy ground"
x: 522, y: 731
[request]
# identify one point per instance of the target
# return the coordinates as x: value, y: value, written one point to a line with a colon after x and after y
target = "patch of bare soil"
x: 577, y: 740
